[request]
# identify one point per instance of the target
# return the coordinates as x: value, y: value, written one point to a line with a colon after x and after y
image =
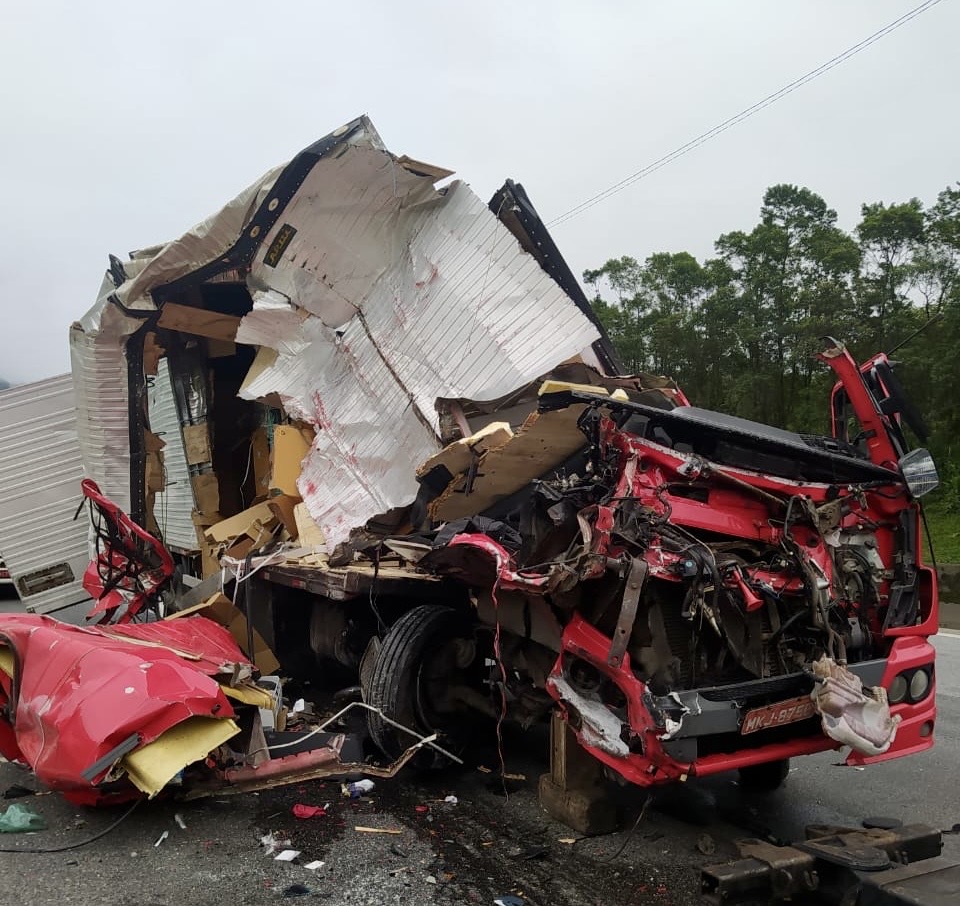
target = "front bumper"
x: 656, y: 739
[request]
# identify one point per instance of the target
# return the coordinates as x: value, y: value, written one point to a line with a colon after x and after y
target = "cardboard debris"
x: 247, y: 531
x: 154, y: 473
x: 196, y: 444
x: 209, y: 562
x: 544, y: 442
x: 152, y: 353
x: 458, y: 456
x: 206, y: 493
x: 222, y: 610
x: 283, y: 509
x: 290, y: 445
x: 260, y: 461
x: 221, y: 349
x: 308, y: 532
x: 247, y: 522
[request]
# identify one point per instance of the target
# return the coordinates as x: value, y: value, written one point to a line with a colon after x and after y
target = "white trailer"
x: 44, y: 547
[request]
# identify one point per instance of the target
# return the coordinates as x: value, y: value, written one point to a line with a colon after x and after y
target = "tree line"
x: 739, y: 331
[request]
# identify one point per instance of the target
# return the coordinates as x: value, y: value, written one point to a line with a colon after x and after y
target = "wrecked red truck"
x: 394, y: 446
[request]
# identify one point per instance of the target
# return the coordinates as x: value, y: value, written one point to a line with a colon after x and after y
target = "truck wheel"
x: 424, y: 651
x: 766, y: 777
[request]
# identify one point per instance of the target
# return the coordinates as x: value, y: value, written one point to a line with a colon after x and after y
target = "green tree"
x: 890, y: 237
x: 794, y: 274
x: 738, y: 332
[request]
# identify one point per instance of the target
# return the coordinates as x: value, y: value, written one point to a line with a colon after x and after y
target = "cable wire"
x: 744, y: 114
x: 68, y: 846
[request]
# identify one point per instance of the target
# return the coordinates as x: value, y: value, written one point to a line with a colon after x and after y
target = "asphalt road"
x: 482, y: 847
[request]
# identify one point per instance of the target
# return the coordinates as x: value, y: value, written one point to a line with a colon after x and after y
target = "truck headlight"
x: 898, y: 689
x: 919, y: 685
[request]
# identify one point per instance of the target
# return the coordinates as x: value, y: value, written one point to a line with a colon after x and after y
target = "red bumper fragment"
x: 78, y: 698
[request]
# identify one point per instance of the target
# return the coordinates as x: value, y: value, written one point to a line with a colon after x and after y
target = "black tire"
x: 766, y: 777
x: 412, y: 648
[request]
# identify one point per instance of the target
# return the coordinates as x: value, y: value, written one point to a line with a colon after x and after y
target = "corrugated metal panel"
x: 172, y: 507
x: 40, y: 473
x: 99, y: 366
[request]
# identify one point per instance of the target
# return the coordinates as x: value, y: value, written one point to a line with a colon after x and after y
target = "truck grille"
x: 789, y: 686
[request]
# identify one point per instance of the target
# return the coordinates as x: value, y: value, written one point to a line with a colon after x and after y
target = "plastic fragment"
x: 430, y: 879
x: 356, y: 789
x: 452, y: 800
x: 421, y: 809
x: 287, y: 855
x: 508, y: 900
x: 180, y: 822
x: 301, y: 810
x: 273, y: 842
x: 315, y: 865
x: 17, y: 820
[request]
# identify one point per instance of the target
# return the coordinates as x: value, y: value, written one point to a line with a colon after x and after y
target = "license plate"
x: 777, y: 715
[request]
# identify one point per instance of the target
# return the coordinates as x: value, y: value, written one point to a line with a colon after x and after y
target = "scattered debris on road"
x: 17, y: 819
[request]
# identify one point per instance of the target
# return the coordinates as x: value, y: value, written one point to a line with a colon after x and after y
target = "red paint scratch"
x: 323, y: 420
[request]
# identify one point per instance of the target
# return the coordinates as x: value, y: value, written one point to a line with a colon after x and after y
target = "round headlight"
x: 919, y: 685
x: 898, y: 690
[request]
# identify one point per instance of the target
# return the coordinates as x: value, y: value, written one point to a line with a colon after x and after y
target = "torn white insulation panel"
x: 456, y: 309
x: 374, y: 294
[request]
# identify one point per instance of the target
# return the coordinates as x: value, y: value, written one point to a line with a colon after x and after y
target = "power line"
x: 743, y: 114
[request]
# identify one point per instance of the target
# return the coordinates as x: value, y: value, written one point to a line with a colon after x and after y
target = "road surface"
x: 482, y: 847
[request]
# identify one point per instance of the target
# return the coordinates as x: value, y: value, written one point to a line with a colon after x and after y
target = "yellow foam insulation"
x: 249, y: 695
x: 153, y: 766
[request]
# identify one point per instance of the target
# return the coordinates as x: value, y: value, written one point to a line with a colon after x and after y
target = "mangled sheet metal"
x: 373, y: 295
x: 82, y: 699
x: 109, y: 713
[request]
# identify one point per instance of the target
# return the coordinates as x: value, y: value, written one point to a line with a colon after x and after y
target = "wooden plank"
x: 199, y: 322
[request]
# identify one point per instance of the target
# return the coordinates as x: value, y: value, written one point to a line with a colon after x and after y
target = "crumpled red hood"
x: 77, y: 693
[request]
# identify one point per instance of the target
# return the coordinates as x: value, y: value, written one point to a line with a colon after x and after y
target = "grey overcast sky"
x: 125, y: 123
